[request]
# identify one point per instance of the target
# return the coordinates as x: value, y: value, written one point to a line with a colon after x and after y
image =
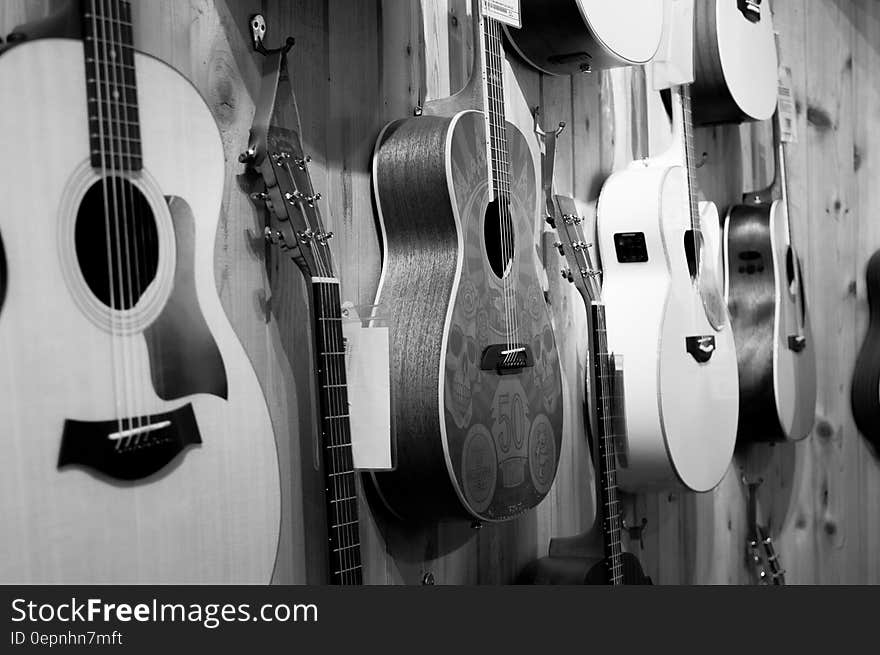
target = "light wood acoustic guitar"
x: 137, y: 443
x: 563, y: 37
x: 659, y: 248
x: 765, y: 295
x: 735, y: 61
x: 476, y: 386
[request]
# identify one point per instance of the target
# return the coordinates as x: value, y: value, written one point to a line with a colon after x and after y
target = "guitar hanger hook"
x: 257, y: 24
x: 539, y: 130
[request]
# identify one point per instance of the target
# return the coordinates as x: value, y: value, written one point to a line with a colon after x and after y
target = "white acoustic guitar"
x: 137, y: 445
x: 735, y: 63
x: 562, y: 37
x: 664, y: 309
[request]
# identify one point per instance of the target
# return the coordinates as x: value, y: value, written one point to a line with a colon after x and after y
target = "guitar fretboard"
x: 690, y: 159
x: 338, y: 464
x: 609, y: 407
x: 493, y: 57
x: 111, y: 88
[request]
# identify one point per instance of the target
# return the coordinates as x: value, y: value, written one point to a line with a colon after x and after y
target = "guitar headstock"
x: 294, y: 220
x: 762, y: 555
x: 581, y: 270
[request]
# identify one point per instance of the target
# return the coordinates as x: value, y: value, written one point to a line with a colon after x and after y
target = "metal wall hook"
x: 257, y: 24
x: 539, y: 130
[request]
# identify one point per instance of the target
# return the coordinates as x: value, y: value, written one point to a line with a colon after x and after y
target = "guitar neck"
x: 111, y: 85
x: 491, y: 71
x: 609, y: 408
x: 340, y: 488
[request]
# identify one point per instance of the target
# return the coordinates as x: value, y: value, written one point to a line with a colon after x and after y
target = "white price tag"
x: 785, y: 107
x: 504, y: 11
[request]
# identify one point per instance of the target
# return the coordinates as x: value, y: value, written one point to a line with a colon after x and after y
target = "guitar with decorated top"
x: 476, y: 389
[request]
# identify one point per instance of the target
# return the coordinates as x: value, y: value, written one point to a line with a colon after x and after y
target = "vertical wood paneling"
x: 356, y: 66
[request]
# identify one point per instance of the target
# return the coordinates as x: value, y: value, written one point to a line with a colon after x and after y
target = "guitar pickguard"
x: 184, y: 358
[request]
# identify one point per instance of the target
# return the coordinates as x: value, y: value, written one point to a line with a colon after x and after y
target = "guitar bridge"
x: 700, y: 347
x: 505, y: 359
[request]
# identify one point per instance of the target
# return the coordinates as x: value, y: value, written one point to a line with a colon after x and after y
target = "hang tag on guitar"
x: 367, y: 367
x: 504, y: 11
x: 785, y: 107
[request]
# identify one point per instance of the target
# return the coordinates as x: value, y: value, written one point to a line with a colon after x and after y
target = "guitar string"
x: 121, y: 190
x: 504, y: 183
x: 134, y: 245
x: 799, y: 314
x: 119, y: 210
x: 494, y: 169
x: 108, y: 149
x: 119, y: 400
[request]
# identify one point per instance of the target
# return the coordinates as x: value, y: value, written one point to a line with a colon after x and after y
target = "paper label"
x: 367, y: 364
x: 504, y: 11
x: 785, y: 107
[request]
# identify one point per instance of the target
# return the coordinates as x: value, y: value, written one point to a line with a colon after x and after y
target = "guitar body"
x: 196, y: 501
x: 681, y: 414
x: 578, y: 570
x: 470, y: 443
x: 563, y: 37
x: 777, y: 382
x: 735, y: 64
x: 865, y: 395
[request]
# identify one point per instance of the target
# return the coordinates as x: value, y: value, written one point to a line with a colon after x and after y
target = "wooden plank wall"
x: 360, y: 64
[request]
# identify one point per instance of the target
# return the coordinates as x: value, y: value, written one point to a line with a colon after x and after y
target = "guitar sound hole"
x: 116, y: 242
x: 498, y: 236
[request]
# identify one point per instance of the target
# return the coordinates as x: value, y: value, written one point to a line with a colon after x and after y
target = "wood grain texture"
x: 820, y: 496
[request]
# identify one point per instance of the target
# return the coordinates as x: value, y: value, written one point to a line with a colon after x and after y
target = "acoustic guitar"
x: 659, y: 251
x: 735, y: 61
x: 865, y: 392
x: 137, y: 443
x: 475, y: 378
x: 295, y: 228
x: 765, y: 296
x: 596, y: 556
x: 563, y: 37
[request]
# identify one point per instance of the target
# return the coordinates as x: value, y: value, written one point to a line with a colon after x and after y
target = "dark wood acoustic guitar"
x: 476, y: 386
x: 294, y: 226
x: 766, y: 300
x: 596, y: 556
x: 865, y: 393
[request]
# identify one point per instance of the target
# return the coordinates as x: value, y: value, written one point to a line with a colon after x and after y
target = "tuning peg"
x: 260, y: 195
x: 301, y: 163
x: 571, y: 219
x: 567, y: 275
x: 272, y: 236
x: 551, y: 222
x: 279, y: 157
x: 248, y: 155
x: 581, y: 245
x: 558, y: 246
